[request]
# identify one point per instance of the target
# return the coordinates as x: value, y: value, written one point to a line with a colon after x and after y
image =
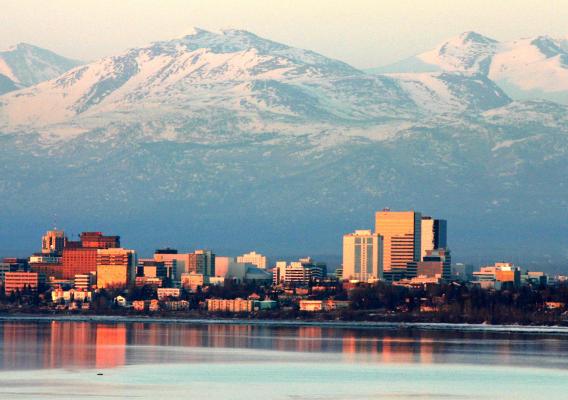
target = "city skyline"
x: 315, y: 199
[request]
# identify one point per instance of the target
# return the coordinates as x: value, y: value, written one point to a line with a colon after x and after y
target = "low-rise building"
x: 139, y: 305
x: 193, y: 281
x: 534, y: 278
x: 84, y: 281
x: 20, y: 281
x: 419, y: 281
x: 146, y: 305
x: 267, y: 304
x: 165, y: 293
x: 121, y: 301
x: 323, y: 305
x: 234, y: 306
x: 494, y: 276
x: 148, y: 281
x: 71, y: 295
x: 179, y: 305
x: 217, y: 281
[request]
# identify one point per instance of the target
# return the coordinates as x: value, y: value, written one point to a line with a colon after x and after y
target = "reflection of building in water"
x: 110, y: 345
x: 70, y: 344
x: 356, y: 346
x: 309, y: 339
x: 426, y: 350
x: 396, y: 350
x: 14, y: 356
x: 240, y: 336
x: 349, y: 346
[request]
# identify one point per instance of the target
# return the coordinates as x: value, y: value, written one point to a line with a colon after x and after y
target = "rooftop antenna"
x: 54, y: 222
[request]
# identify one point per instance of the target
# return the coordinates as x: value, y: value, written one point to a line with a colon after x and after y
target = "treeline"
x: 460, y: 303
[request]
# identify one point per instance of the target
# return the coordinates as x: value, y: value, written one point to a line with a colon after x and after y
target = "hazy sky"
x: 365, y: 33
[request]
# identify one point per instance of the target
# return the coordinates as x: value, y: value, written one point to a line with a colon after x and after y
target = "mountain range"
x: 26, y: 65
x: 232, y: 141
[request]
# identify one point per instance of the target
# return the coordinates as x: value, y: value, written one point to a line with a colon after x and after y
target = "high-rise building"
x: 99, y: 241
x: 401, y: 232
x: 436, y: 263
x: 176, y: 264
x: 116, y: 267
x: 299, y: 273
x: 151, y: 269
x: 78, y: 261
x: 434, y: 234
x: 4, y: 268
x: 47, y: 263
x: 253, y: 258
x: 53, y: 242
x: 202, y: 262
x: 362, y: 255
x: 81, y: 257
x: 462, y: 272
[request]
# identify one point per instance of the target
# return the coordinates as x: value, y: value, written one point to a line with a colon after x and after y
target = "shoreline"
x: 424, y: 326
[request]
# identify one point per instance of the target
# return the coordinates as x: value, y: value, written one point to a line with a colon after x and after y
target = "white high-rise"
x: 433, y: 235
x: 362, y: 255
x: 253, y: 258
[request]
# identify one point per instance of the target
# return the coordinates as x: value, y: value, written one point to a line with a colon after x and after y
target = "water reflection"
x: 34, y: 345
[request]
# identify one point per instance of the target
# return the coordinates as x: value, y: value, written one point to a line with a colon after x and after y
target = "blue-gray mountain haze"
x: 231, y: 141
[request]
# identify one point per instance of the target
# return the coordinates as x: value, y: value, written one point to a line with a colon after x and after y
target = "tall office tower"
x: 81, y: 257
x: 434, y: 235
x: 78, y: 260
x: 362, y: 255
x: 151, y: 268
x: 253, y: 258
x: 53, y: 242
x: 176, y: 263
x: 202, y: 262
x: 99, y: 241
x: 116, y: 267
x: 401, y: 231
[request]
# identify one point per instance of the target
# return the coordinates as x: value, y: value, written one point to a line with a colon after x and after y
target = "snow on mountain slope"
x: 468, y: 52
x: 167, y: 72
x: 457, y: 92
x: 529, y: 68
x: 235, y: 71
x: 538, y: 65
x: 215, y: 134
x: 27, y: 65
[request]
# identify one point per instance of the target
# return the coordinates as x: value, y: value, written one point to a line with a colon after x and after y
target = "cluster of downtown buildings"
x: 406, y: 248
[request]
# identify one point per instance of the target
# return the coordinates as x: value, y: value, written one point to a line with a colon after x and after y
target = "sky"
x: 364, y: 33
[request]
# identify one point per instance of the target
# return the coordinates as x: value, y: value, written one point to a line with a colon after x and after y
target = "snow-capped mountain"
x: 26, y: 65
x: 231, y: 141
x: 527, y: 68
x: 258, y: 80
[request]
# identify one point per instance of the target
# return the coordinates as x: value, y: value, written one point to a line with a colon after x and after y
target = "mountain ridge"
x: 535, y: 67
x: 231, y: 141
x: 25, y: 65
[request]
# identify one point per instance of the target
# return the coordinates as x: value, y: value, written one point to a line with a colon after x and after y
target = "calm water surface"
x: 56, y: 359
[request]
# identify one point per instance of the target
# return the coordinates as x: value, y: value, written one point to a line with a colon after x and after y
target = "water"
x: 62, y: 359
